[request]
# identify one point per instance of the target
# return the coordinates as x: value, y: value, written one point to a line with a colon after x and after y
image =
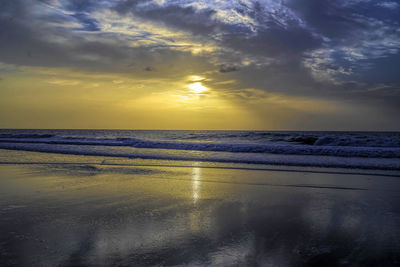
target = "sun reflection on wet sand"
x: 196, y: 182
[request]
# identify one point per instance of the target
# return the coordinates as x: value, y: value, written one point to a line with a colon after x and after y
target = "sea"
x: 326, y: 149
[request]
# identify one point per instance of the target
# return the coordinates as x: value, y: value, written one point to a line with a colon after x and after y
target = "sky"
x: 217, y: 65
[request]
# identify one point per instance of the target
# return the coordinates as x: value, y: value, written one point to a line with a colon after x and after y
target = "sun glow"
x: 197, y: 87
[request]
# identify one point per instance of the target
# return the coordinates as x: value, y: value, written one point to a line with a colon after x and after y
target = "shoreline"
x: 275, y: 161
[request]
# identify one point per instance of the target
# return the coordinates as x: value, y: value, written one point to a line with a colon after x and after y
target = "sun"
x: 197, y: 87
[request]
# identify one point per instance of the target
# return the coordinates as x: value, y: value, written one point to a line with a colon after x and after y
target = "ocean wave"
x: 347, y: 140
x: 25, y: 136
x: 209, y: 156
x: 322, y: 146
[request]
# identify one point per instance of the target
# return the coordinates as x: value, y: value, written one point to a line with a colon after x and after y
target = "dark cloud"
x: 88, y: 24
x: 272, y: 42
x: 81, y: 5
x: 185, y: 18
x: 328, y: 17
x: 228, y: 68
x: 126, y: 6
x: 32, y: 40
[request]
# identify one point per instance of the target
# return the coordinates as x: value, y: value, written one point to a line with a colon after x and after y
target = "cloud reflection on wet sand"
x: 171, y: 216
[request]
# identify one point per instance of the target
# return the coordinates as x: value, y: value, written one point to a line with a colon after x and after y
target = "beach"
x: 199, y: 133
x: 75, y: 210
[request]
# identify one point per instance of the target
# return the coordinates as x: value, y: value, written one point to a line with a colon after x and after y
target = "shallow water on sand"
x: 75, y: 211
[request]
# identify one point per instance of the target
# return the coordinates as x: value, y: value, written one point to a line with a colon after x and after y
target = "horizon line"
x: 221, y: 130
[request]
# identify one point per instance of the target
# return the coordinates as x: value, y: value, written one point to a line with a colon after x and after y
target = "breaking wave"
x: 325, y: 149
x: 324, y: 146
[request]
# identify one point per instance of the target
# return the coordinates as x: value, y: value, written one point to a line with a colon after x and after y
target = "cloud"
x: 390, y: 5
x: 87, y: 23
x: 6, y: 68
x: 311, y: 48
x: 227, y: 68
x: 63, y: 82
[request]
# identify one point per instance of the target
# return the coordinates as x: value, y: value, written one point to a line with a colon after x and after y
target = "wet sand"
x: 60, y: 210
